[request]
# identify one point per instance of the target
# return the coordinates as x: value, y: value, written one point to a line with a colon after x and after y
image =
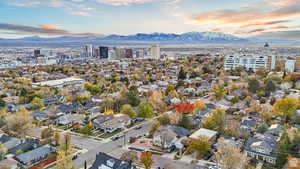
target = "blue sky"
x: 243, y: 18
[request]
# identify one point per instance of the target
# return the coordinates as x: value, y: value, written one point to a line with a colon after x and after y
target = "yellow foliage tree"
x: 286, y: 107
x: 108, y: 112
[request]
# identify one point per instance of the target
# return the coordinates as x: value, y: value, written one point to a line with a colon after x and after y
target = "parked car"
x: 138, y: 127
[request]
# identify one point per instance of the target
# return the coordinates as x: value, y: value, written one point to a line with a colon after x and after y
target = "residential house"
x: 54, y: 100
x: 98, y: 122
x: 202, y: 132
x: 262, y: 147
x: 36, y: 156
x: 164, y: 138
x: 39, y: 115
x: 104, y: 161
x: 275, y: 129
x: 70, y: 119
x: 9, y: 164
x: 119, y: 121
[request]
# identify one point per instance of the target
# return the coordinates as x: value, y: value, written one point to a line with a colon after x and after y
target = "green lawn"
x: 108, y: 135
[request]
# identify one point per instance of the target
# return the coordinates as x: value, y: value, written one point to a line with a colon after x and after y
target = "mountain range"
x: 140, y: 38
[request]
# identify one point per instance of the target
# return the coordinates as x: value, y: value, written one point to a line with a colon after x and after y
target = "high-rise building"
x: 128, y: 53
x: 89, y: 51
x: 119, y: 53
x: 297, y: 64
x: 103, y: 52
x: 271, y: 62
x: 280, y: 64
x: 246, y: 61
x: 290, y: 65
x: 155, y: 52
x: 37, y: 53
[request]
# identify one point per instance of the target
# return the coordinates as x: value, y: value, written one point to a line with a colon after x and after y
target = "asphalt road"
x: 114, y: 148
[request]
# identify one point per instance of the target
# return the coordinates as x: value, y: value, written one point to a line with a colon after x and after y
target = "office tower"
x: 89, y: 50
x: 37, y: 53
x: 297, y: 64
x: 120, y: 53
x: 103, y: 52
x: 280, y: 64
x: 97, y: 52
x: 290, y: 65
x: 128, y: 53
x: 155, y: 52
x: 271, y: 62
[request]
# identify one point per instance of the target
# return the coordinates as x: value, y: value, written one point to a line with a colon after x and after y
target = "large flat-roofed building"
x: 59, y: 83
x: 249, y: 62
x: 297, y: 64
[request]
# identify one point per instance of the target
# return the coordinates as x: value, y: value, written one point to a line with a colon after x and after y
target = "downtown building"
x: 250, y: 62
x: 155, y: 52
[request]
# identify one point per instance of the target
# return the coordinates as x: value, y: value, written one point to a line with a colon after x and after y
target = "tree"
x: 262, y: 128
x: 146, y: 159
x: 130, y: 157
x: 65, y: 143
x: 286, y: 107
x: 181, y: 74
x: 145, y: 110
x: 2, y: 103
x: 164, y: 119
x: 156, y: 99
x: 87, y: 129
x: 20, y: 123
x: 199, y: 146
x: 283, y: 149
x: 270, y: 86
x: 64, y: 160
x: 216, y: 121
x: 200, y: 105
x: 132, y: 96
x: 57, y: 138
x: 37, y: 103
x: 3, y: 151
x: 154, y: 127
x: 253, y: 85
x: 128, y: 109
x: 47, y: 133
x: 185, y: 122
x: 93, y: 89
x: 229, y: 156
x: 219, y: 91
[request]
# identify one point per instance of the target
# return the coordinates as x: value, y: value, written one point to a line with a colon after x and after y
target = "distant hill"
x: 140, y: 38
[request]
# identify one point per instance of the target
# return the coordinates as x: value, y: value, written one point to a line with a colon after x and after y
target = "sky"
x: 276, y: 19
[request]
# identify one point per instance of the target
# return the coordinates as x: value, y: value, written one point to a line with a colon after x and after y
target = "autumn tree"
x: 130, y: 157
x: 200, y: 105
x: 145, y: 109
x: 229, y: 156
x: 253, y: 85
x: 3, y: 151
x: 64, y: 161
x: 216, y: 121
x: 219, y: 91
x: 146, y: 159
x: 283, y: 148
x: 128, y: 109
x: 156, y: 99
x: 20, y: 123
x: 37, y: 103
x: 164, y: 119
x: 286, y: 107
x: 199, y: 146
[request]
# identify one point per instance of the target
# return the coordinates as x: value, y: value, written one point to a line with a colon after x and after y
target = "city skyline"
x: 258, y: 18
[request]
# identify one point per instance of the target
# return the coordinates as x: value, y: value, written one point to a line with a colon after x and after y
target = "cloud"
x: 253, y: 15
x: 124, y: 2
x: 80, y: 13
x: 44, y: 29
x: 48, y: 26
x: 263, y: 23
x: 261, y: 30
x: 279, y: 35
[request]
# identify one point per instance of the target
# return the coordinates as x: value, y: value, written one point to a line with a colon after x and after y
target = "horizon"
x: 278, y: 19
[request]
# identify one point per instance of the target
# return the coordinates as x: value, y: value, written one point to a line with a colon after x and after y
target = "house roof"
x: 35, y: 155
x: 266, y: 141
x: 202, y: 132
x: 110, y: 162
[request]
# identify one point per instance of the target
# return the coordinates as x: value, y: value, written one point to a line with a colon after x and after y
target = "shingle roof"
x: 35, y: 155
x: 111, y: 162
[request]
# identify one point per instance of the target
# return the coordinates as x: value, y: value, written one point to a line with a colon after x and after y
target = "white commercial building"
x: 155, y: 52
x: 248, y: 62
x: 60, y: 82
x: 290, y: 65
